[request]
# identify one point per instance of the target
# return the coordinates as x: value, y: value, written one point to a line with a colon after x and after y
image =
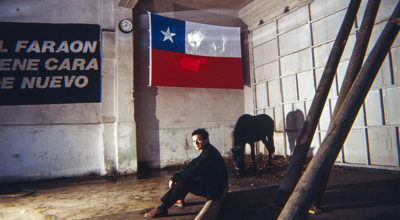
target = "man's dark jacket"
x: 210, y: 166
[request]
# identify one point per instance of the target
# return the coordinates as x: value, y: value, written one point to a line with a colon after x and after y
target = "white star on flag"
x: 168, y: 35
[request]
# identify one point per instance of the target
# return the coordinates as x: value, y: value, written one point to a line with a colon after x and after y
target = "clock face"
x: 125, y: 26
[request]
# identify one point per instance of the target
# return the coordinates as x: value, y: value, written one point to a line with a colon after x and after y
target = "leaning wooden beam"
x: 303, y: 142
x: 211, y: 209
x: 356, y: 60
x: 359, y: 50
x: 318, y: 171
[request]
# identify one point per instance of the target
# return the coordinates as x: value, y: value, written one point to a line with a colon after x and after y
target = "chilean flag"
x: 188, y: 54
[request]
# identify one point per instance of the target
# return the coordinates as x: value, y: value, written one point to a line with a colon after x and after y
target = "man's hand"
x: 170, y: 184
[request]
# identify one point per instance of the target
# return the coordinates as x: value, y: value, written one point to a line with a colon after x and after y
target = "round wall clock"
x: 125, y: 25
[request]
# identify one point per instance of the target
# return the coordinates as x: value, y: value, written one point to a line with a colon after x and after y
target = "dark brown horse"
x: 249, y: 129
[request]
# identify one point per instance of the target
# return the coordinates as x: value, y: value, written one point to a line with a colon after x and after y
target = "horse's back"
x: 253, y: 127
x: 264, y: 123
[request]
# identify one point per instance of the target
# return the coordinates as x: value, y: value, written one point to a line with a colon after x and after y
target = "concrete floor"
x: 351, y: 194
x: 82, y: 198
x: 93, y: 197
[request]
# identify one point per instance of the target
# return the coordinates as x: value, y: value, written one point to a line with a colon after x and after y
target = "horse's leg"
x: 269, y: 144
x: 253, y: 156
x: 271, y: 147
x: 238, y: 159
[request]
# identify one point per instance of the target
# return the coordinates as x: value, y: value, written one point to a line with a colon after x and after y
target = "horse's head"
x: 238, y: 160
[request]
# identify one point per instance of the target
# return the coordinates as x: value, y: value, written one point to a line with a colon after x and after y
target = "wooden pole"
x: 307, y: 189
x: 303, y: 142
x: 358, y: 54
x: 355, y: 64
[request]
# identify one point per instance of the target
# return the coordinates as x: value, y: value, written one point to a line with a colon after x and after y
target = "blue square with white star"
x: 167, y: 34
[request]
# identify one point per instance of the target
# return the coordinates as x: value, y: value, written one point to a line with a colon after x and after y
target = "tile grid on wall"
x: 268, y: 107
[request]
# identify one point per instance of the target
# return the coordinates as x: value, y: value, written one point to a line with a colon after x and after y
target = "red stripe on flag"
x: 183, y: 70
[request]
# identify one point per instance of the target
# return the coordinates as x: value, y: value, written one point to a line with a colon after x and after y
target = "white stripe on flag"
x: 212, y: 40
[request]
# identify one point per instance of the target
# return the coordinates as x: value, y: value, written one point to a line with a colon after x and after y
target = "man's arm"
x: 192, y: 170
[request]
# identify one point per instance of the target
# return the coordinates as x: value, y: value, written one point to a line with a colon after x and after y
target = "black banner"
x: 49, y: 63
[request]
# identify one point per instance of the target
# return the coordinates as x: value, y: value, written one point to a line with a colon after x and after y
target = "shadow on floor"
x: 364, y: 200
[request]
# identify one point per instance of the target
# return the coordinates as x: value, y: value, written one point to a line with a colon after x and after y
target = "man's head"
x: 200, y: 138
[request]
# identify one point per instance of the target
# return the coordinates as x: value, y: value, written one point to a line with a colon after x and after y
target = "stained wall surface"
x: 53, y: 140
x: 285, y: 45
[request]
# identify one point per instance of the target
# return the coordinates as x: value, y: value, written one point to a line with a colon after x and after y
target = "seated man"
x: 204, y: 176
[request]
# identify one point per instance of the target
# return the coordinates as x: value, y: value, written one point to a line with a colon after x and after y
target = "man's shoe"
x: 179, y: 203
x: 156, y: 212
x: 314, y: 210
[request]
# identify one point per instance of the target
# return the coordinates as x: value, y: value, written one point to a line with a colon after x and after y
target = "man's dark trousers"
x: 180, y: 189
